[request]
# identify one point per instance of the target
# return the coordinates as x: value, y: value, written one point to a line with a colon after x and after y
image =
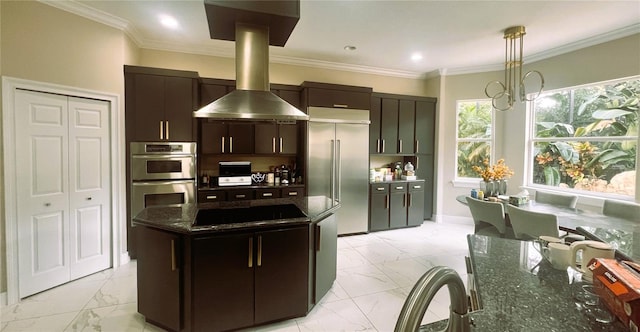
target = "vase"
x: 502, y: 187
x: 488, y: 188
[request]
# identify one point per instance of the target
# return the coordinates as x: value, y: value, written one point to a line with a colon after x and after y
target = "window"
x: 585, y: 138
x: 474, y: 138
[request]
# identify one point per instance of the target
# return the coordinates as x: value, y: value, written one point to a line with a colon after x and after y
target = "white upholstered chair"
x: 557, y: 199
x: 531, y: 225
x: 487, y: 212
x: 624, y: 210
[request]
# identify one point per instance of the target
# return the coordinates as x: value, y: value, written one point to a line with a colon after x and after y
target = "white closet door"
x: 42, y: 190
x: 89, y: 187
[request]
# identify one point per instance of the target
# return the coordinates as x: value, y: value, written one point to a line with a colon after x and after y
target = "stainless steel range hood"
x: 252, y: 99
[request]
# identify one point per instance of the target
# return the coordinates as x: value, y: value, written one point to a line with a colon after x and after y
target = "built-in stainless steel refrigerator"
x: 338, y: 163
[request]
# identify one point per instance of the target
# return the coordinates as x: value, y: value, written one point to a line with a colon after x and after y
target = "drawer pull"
x: 212, y: 197
x: 380, y: 189
x: 340, y: 105
x: 399, y: 187
x: 293, y: 193
x: 417, y: 187
x: 267, y: 194
x: 241, y: 196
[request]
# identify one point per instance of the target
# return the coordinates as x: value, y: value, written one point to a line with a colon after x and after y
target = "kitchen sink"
x: 220, y: 216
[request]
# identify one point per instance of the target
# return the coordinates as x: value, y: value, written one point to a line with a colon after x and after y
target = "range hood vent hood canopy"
x: 254, y: 25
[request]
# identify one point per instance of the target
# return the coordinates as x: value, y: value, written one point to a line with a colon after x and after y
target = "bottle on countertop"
x: 408, y: 169
x: 293, y: 174
x: 277, y: 176
x: 284, y: 174
x: 205, y: 180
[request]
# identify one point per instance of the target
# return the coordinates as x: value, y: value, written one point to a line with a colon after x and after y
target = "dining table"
x: 622, y: 234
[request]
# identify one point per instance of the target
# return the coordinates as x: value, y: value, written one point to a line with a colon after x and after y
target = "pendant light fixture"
x: 504, y: 98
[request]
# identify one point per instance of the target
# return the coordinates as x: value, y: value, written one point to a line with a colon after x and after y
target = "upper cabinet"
x: 401, y: 124
x: 226, y: 137
x: 213, y: 88
x: 336, y: 96
x: 272, y: 138
x: 159, y: 104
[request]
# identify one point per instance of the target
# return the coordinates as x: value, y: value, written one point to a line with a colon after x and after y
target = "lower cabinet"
x: 243, y: 194
x: 326, y: 249
x: 396, y: 204
x: 245, y: 279
x: 159, y: 278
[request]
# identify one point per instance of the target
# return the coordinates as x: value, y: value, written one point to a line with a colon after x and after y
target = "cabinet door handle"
x: 293, y: 193
x: 230, y: 144
x: 378, y: 145
x: 380, y: 189
x: 417, y: 187
x: 341, y: 105
x: 382, y: 147
x: 212, y: 197
x: 161, y: 130
x: 259, y: 250
x: 250, y: 263
x: 166, y: 126
x: 399, y: 187
x: 410, y: 199
x: 173, y: 255
x: 241, y: 196
x: 267, y: 194
x: 404, y: 200
x: 222, y: 144
x: 386, y: 202
x: 400, y: 145
x: 417, y: 146
x: 417, y: 162
x: 280, y: 144
x: 273, y: 145
x: 318, y: 237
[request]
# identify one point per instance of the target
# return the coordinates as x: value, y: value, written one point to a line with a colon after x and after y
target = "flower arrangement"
x: 497, y: 171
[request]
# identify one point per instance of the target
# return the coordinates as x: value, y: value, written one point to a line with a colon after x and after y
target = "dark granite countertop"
x: 180, y: 219
x: 253, y: 186
x: 520, y: 291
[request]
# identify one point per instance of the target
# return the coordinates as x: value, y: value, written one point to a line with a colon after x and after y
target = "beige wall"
x: 611, y: 60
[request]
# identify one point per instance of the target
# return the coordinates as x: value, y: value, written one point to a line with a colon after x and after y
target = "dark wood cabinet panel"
x: 336, y: 96
x: 398, y: 205
x: 159, y: 268
x: 212, y: 134
x: 240, y: 138
x: 424, y: 170
x: 415, y: 204
x: 218, y: 137
x: 212, y: 196
x: 379, y: 207
x: 425, y: 127
x: 281, y: 274
x: 290, y: 96
x: 271, y: 138
x: 288, y: 139
x: 389, y: 126
x: 374, y: 127
x: 223, y: 282
x: 292, y: 192
x: 263, y: 193
x: 239, y: 194
x: 148, y: 108
x: 406, y: 121
x: 179, y: 99
x: 211, y: 92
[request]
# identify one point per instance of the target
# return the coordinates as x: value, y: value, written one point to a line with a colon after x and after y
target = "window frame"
x: 472, y: 182
x: 531, y: 141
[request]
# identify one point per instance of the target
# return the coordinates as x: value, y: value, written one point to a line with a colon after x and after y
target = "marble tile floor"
x: 376, y: 272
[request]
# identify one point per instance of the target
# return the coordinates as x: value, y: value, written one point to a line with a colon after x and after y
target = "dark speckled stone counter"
x: 520, y: 291
x: 180, y: 219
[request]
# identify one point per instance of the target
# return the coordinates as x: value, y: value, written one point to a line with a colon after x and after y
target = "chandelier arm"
x: 523, y: 96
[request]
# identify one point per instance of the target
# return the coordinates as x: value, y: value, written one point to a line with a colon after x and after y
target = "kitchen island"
x: 228, y: 265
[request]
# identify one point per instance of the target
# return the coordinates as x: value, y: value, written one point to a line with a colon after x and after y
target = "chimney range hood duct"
x: 252, y: 99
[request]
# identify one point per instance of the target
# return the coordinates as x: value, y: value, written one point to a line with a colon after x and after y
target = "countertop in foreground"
x: 179, y: 219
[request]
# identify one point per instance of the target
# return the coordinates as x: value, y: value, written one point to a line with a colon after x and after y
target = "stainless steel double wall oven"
x: 162, y: 174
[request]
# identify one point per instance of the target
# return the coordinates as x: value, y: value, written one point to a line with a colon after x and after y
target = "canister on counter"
x: 480, y: 194
x: 474, y: 193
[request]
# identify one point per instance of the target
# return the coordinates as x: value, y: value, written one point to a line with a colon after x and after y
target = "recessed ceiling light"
x: 168, y: 21
x: 349, y: 48
x: 416, y: 56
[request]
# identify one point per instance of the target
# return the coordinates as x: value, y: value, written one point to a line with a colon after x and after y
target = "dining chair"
x: 624, y: 210
x: 487, y: 212
x: 557, y: 199
x: 531, y: 225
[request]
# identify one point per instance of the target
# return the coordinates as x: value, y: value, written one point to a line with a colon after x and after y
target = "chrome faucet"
x: 423, y: 292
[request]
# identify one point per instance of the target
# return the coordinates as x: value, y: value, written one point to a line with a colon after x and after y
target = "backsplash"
x: 209, y: 163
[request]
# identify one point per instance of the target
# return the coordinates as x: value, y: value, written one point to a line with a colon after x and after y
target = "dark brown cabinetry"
x: 395, y: 204
x: 249, y: 278
x: 425, y: 127
x: 242, y: 194
x: 159, y: 104
x: 267, y: 193
x: 424, y: 170
x: 336, y: 96
x: 222, y: 137
x: 159, y: 269
x: 272, y: 138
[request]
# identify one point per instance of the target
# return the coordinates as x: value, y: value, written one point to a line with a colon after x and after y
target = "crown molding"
x: 201, y: 49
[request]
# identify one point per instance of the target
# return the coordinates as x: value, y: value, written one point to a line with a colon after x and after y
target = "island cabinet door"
x: 282, y: 274
x: 398, y: 205
x: 222, y: 289
x: 159, y: 277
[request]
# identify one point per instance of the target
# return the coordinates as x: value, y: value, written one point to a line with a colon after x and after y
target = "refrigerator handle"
x: 338, y: 171
x: 332, y: 178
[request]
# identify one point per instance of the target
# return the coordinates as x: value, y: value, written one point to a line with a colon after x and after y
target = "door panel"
x: 89, y: 189
x: 353, y: 178
x: 320, y: 175
x: 42, y: 190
